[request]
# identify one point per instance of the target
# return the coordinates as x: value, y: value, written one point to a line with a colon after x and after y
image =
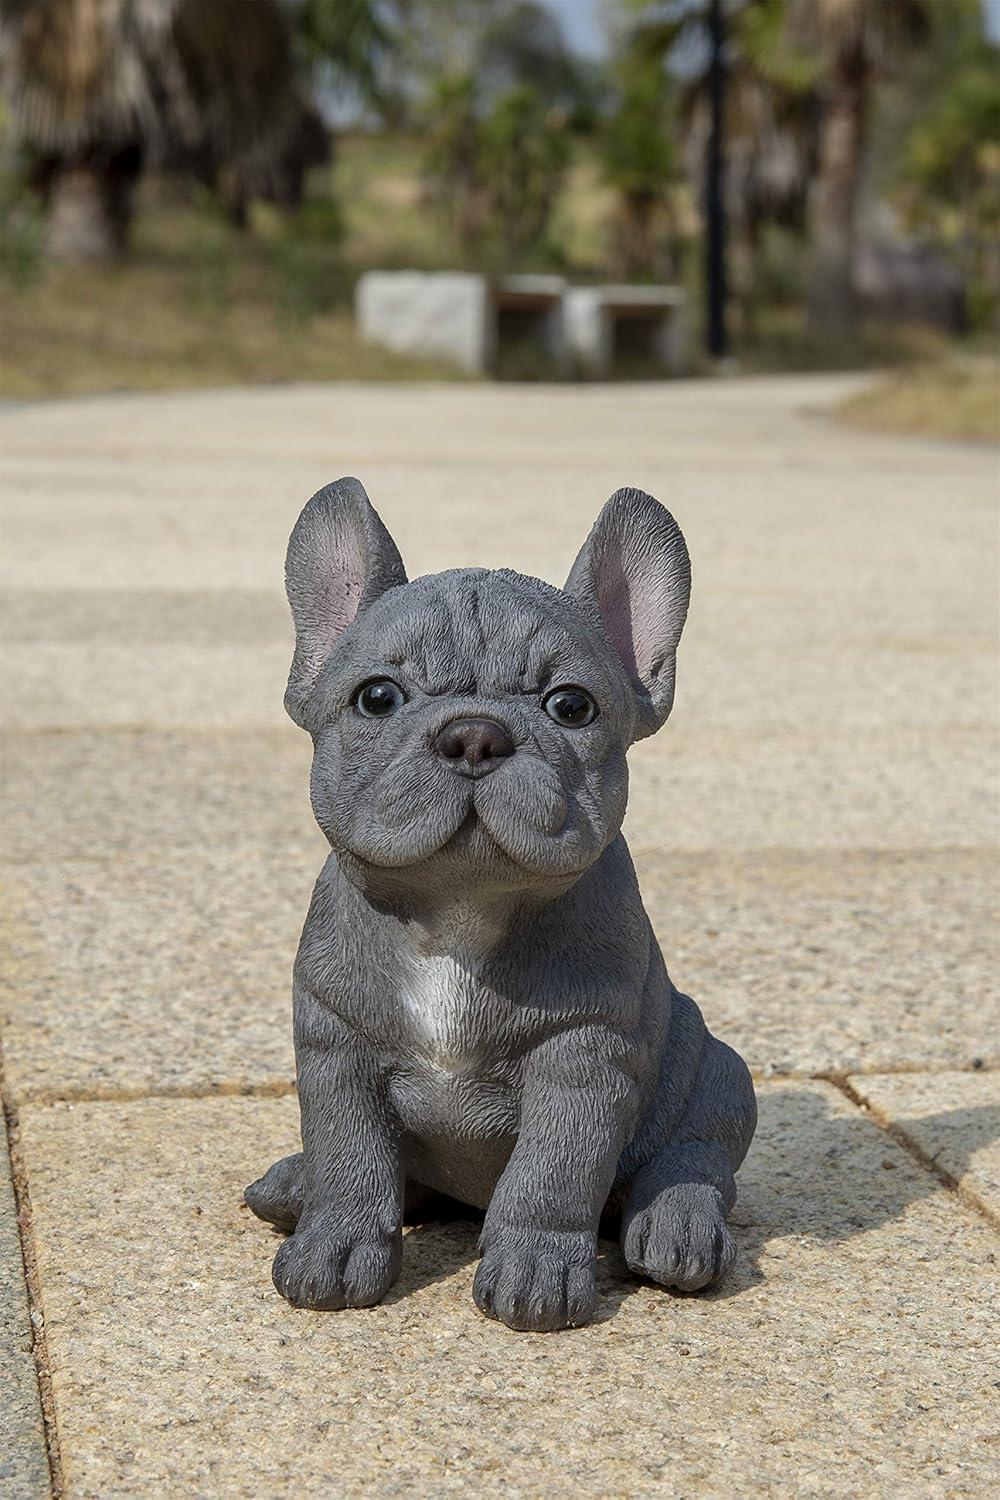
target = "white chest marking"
x: 440, y: 998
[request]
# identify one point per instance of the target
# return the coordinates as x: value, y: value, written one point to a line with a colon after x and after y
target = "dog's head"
x: 470, y: 727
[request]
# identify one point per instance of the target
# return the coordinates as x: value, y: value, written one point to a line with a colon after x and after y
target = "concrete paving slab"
x: 144, y: 617
x: 56, y: 686
x: 134, y: 978
x: 174, y: 975
x: 743, y: 422
x: 731, y: 618
x: 133, y: 794
x: 136, y: 793
x: 896, y: 788
x: 812, y: 962
x: 953, y: 1119
x: 787, y: 553
x: 178, y: 1369
x: 24, y: 1467
x: 497, y: 477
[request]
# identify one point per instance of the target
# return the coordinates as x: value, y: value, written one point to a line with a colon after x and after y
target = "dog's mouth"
x: 477, y: 859
x: 518, y: 818
x: 470, y: 841
x: 470, y: 827
x: 474, y: 839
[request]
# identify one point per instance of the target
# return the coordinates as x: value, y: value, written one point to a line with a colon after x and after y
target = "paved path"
x: 816, y: 835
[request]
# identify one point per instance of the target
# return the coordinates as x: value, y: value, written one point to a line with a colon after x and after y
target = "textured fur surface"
x: 481, y: 1008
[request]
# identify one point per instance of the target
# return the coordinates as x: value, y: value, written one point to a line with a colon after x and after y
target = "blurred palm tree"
x: 855, y: 44
x: 453, y: 158
x: 941, y: 161
x: 78, y: 92
x: 351, y: 47
x: 506, y: 43
x: 770, y: 131
x: 802, y: 76
x: 523, y: 45
x: 494, y: 166
x: 97, y: 88
x: 524, y: 152
x: 636, y: 142
x: 500, y: 88
x: 662, y: 69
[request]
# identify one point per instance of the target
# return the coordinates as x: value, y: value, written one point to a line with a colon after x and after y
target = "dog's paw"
x: 277, y: 1196
x: 325, y: 1269
x: 681, y: 1239
x: 538, y: 1285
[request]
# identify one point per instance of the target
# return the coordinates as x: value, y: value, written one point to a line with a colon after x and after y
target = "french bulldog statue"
x: 481, y: 1010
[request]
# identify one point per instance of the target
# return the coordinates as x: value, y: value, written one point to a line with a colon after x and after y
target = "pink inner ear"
x: 346, y: 581
x: 618, y: 611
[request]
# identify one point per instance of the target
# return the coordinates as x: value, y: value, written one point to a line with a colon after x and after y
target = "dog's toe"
x: 536, y: 1290
x: 327, y: 1270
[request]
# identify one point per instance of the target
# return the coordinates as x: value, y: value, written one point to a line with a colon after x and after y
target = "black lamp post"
x: 715, y: 206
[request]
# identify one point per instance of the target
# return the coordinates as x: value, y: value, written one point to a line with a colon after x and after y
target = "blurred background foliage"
x: 190, y: 188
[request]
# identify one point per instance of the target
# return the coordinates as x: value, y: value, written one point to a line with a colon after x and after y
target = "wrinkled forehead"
x: 472, y: 630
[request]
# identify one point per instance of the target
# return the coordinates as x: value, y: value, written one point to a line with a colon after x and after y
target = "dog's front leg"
x: 347, y: 1244
x: 539, y: 1240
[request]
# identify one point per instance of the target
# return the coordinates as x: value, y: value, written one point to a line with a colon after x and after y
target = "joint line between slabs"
x: 282, y: 1087
x: 278, y: 1089
x: 972, y: 1200
x: 36, y: 1311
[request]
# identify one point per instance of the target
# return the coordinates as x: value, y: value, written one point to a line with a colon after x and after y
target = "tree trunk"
x: 641, y: 240
x: 80, y: 226
x: 90, y: 206
x: 835, y: 196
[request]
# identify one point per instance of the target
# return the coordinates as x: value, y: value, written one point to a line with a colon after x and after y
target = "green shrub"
x: 21, y: 233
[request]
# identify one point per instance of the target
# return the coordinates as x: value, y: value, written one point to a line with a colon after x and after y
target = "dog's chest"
x: 458, y: 1076
x: 446, y: 1007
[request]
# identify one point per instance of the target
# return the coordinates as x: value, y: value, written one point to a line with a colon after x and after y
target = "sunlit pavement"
x: 815, y: 832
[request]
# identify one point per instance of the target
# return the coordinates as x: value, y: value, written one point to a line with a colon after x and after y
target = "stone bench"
x: 464, y: 317
x: 529, y: 312
x: 607, y: 325
x: 518, y: 325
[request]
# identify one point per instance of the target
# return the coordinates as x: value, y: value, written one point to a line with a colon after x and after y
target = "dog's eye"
x: 570, y: 706
x: 377, y: 699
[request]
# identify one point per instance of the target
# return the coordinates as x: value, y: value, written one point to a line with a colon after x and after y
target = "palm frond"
x: 74, y: 70
x: 876, y: 32
x: 183, y: 78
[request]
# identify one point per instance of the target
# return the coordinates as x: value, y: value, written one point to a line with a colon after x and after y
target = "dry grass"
x: 142, y: 327
x: 956, y: 398
x: 196, y: 303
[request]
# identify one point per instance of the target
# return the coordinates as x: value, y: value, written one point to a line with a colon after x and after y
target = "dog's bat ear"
x: 340, y: 559
x: 633, y: 577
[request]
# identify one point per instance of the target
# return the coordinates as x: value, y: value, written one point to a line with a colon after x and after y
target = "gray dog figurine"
x: 481, y: 1008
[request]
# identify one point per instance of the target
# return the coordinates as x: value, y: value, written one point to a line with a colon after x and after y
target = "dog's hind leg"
x: 277, y: 1197
x: 674, y: 1225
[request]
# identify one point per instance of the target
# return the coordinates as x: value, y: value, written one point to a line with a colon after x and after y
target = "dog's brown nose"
x: 474, y: 746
